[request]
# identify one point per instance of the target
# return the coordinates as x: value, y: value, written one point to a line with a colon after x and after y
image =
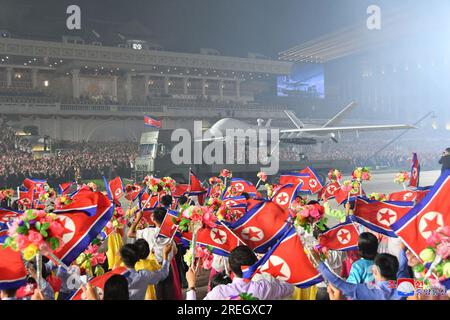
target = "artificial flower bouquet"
x: 362, y: 174
x: 378, y: 196
x: 35, y: 231
x: 203, y: 256
x: 334, y: 175
x: 437, y: 255
x: 401, y: 177
x: 91, y: 258
x: 308, y: 216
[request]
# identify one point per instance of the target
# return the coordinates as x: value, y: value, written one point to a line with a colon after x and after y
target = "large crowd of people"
x: 68, y: 161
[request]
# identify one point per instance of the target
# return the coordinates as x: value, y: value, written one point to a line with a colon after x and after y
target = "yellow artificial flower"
x: 30, y: 252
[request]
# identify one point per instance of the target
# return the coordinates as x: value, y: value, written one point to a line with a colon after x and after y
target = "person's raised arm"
x: 153, y: 277
x: 132, y: 231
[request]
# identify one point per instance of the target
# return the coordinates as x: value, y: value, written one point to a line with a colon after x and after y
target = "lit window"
x: 46, y: 83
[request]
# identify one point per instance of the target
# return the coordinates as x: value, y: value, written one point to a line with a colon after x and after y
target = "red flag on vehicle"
x: 149, y: 121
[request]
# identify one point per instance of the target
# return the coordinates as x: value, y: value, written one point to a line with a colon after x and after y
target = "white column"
x: 76, y: 83
x: 34, y: 73
x: 166, y: 85
x: 203, y: 87
x: 238, y: 88
x: 9, y: 72
x: 114, y: 87
x: 128, y: 87
x: 185, y: 85
x: 221, y: 88
x: 146, y: 79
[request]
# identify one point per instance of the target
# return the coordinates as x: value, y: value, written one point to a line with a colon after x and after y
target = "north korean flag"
x: 287, y: 261
x: 262, y: 225
x: 427, y: 216
x: 12, y: 268
x: 235, y: 201
x: 65, y: 187
x: 151, y: 204
x: 286, y: 194
x: 115, y: 188
x: 295, y: 178
x: 6, y: 216
x: 314, y: 183
x: 168, y: 226
x: 329, y: 190
x: 415, y: 172
x: 219, y: 238
x: 98, y: 283
x: 82, y: 223
x: 409, y: 195
x: 195, y: 185
x: 378, y: 216
x: 133, y: 192
x: 241, y: 185
x: 180, y: 190
x: 152, y: 122
x: 26, y: 196
x: 196, y: 188
x: 33, y: 184
x: 341, y: 237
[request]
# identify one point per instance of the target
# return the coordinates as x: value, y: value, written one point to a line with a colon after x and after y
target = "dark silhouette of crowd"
x: 68, y: 161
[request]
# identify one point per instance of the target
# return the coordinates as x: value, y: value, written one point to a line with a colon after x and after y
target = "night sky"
x: 234, y: 27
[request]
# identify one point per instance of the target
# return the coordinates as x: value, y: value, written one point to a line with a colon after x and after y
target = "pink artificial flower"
x: 443, y: 250
x: 262, y: 175
x: 91, y: 249
x: 365, y: 176
x: 305, y: 213
x: 35, y: 237
x: 40, y: 214
x: 196, y: 216
x: 314, y: 212
x: 22, y: 241
x: 101, y: 258
x: 44, y: 248
x: 199, y: 252
x: 209, y: 218
x: 94, y: 261
x: 225, y: 173
x: 445, y: 231
x: 207, y: 263
x: 346, y: 188
x: 56, y: 228
x: 434, y: 239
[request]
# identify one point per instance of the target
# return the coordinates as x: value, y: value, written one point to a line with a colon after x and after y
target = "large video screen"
x: 306, y: 80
